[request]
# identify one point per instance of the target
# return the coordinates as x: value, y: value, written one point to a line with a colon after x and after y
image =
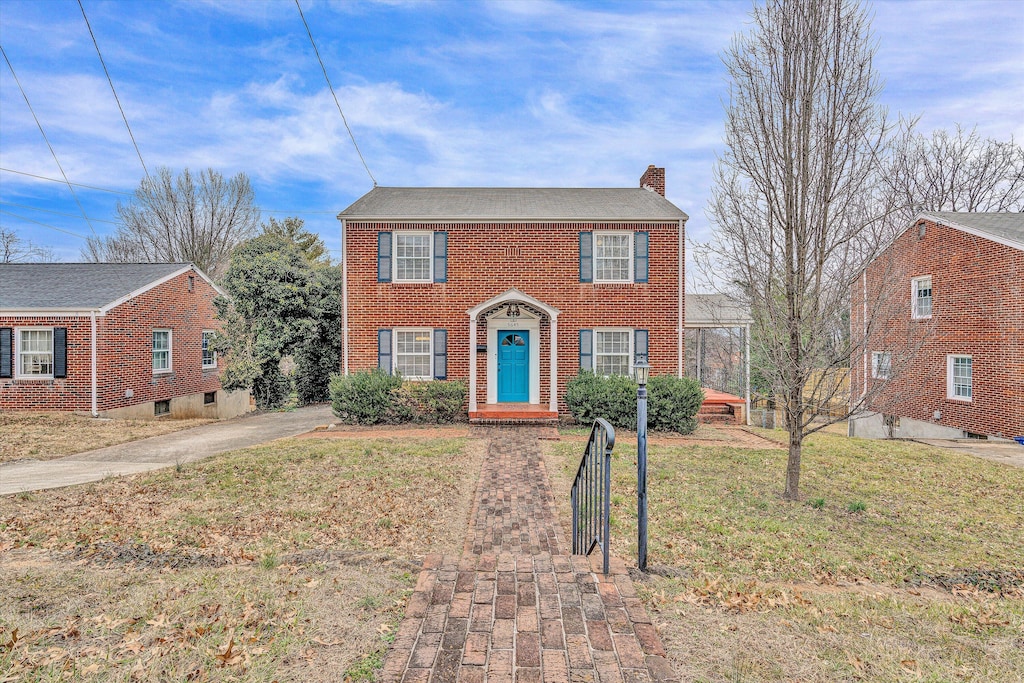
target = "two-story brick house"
x: 959, y: 302
x: 111, y: 339
x: 513, y: 290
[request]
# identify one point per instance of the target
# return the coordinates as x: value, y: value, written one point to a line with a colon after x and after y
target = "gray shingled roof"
x: 81, y: 286
x: 1008, y: 226
x: 511, y: 204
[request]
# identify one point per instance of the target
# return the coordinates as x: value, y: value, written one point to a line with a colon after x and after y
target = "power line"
x: 58, y: 180
x: 57, y: 213
x: 45, y: 225
x: 111, y: 82
x: 43, y: 133
x: 336, y: 102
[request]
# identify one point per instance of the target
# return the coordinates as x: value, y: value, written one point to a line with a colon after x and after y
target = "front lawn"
x: 286, y: 562
x: 904, y: 562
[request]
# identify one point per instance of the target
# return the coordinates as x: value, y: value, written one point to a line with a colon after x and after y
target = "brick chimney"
x: 653, y: 179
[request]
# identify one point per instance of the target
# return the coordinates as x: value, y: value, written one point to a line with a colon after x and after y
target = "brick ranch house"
x: 111, y: 339
x: 960, y: 281
x: 513, y: 290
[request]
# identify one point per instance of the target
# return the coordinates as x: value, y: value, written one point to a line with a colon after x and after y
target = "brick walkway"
x: 516, y: 606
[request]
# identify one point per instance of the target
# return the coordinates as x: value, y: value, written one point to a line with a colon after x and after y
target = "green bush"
x: 364, y: 397
x: 671, y: 406
x: 672, y: 403
x: 374, y: 397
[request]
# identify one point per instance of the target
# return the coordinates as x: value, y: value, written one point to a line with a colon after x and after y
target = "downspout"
x: 746, y: 339
x: 92, y: 316
x: 679, y: 330
x: 344, y: 299
x: 864, y: 294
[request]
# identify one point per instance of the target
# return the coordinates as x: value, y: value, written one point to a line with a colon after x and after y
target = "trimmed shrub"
x: 672, y: 402
x: 364, y: 397
x: 430, y: 402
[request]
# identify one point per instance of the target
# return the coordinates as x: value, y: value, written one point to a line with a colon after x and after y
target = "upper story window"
x: 881, y: 364
x: 921, y: 296
x: 209, y: 355
x: 412, y: 256
x: 161, y: 351
x: 35, y: 353
x: 959, y: 377
x: 613, y: 256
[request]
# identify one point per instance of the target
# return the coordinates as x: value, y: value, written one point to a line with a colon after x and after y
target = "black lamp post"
x: 641, y: 371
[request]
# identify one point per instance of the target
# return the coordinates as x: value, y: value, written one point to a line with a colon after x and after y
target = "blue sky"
x: 437, y: 93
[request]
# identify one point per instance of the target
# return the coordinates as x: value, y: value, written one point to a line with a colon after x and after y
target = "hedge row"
x: 672, y: 402
x: 374, y: 397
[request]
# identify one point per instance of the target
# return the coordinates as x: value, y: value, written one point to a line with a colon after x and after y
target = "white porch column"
x: 553, y: 399
x: 472, y: 363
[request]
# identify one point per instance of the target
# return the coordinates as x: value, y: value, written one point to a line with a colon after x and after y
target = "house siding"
x: 541, y: 260
x: 977, y: 310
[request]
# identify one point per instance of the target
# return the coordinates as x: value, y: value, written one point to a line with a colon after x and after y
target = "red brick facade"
x: 541, y: 260
x: 124, y: 353
x: 977, y: 311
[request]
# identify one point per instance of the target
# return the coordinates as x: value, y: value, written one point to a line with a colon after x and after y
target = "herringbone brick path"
x: 516, y: 606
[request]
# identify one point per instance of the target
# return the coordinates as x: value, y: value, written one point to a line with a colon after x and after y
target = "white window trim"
x: 207, y: 366
x: 632, y: 350
x: 950, y: 386
x: 631, y: 259
x: 913, y: 297
x: 394, y: 352
x: 18, y: 374
x: 394, y: 255
x: 170, y: 351
x: 876, y: 356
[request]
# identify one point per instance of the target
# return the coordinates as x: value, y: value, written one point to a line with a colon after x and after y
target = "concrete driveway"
x: 1007, y: 452
x: 159, y: 451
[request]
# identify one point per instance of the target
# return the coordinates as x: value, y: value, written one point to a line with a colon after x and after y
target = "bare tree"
x: 185, y: 219
x: 795, y: 194
x: 957, y: 171
x: 14, y: 249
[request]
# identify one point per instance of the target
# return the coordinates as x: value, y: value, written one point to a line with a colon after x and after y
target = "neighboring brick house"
x: 959, y: 279
x: 513, y: 290
x: 111, y: 339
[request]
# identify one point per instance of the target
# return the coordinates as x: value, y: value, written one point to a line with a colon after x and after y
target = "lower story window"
x: 960, y: 377
x: 612, y: 355
x: 881, y: 364
x: 412, y: 353
x: 161, y: 407
x: 35, y: 353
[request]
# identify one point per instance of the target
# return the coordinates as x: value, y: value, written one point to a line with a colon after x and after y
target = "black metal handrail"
x: 591, y: 493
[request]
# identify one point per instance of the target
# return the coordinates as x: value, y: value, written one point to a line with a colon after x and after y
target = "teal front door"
x: 513, y: 366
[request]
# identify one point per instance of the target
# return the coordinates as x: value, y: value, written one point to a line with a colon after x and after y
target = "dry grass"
x: 925, y: 582
x: 45, y: 436
x: 287, y: 562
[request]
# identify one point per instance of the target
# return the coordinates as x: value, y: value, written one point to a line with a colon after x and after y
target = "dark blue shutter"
x: 60, y: 352
x: 440, y: 257
x: 586, y: 349
x: 6, y: 351
x: 383, y: 257
x: 384, y: 350
x: 586, y: 257
x: 440, y: 354
x: 641, y: 248
x: 640, y: 345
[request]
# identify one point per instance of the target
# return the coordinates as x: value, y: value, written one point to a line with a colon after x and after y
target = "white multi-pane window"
x: 412, y: 256
x: 960, y: 377
x: 209, y: 355
x: 35, y: 353
x: 161, y: 350
x: 921, y: 296
x: 613, y: 256
x: 413, y: 353
x: 881, y: 364
x: 612, y: 352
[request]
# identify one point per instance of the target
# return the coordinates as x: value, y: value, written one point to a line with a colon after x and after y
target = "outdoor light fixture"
x: 641, y: 370
x: 512, y: 311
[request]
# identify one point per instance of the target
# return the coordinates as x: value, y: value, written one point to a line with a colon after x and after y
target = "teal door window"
x: 513, y: 366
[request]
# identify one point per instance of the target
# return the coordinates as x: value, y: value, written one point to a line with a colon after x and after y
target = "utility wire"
x: 65, y: 175
x: 111, y: 82
x: 336, y: 102
x: 45, y: 225
x: 57, y: 213
x: 58, y: 180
